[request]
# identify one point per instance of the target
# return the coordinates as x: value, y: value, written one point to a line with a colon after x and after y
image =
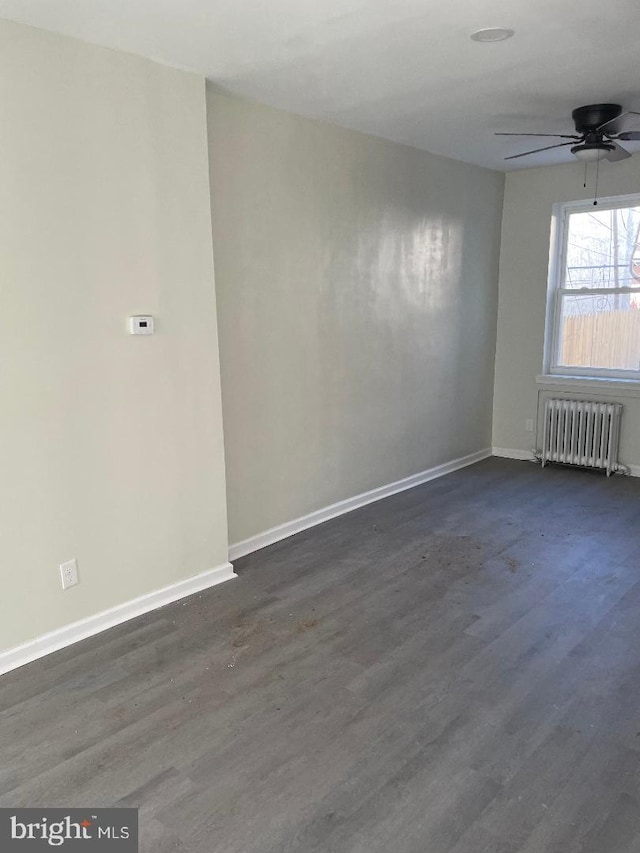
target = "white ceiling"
x: 402, y: 69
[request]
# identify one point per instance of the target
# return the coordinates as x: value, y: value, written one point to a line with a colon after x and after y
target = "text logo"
x: 32, y: 830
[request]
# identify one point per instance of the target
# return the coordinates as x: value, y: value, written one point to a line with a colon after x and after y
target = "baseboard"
x: 76, y: 631
x: 528, y: 455
x: 512, y: 453
x: 283, y: 531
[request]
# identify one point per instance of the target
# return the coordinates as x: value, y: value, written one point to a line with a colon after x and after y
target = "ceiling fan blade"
x: 559, y: 135
x: 629, y: 135
x: 536, y: 150
x: 618, y: 153
x: 613, y: 122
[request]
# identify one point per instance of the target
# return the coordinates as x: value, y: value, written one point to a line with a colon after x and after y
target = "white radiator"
x: 578, y: 432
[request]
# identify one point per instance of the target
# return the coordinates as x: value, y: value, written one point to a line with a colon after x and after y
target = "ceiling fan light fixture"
x: 591, y: 153
x: 489, y: 34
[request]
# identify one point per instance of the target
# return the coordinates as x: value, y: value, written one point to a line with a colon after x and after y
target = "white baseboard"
x: 76, y: 631
x: 512, y: 453
x: 283, y: 531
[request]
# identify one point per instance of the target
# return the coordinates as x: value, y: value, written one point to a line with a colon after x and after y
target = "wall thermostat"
x: 141, y: 324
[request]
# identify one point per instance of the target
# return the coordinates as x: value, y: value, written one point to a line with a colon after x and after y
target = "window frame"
x: 556, y: 290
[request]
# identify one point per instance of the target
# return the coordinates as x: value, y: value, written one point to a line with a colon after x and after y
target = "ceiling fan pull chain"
x: 595, y: 195
x: 585, y: 174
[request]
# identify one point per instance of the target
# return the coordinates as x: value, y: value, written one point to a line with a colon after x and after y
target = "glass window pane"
x: 602, y: 248
x: 600, y: 330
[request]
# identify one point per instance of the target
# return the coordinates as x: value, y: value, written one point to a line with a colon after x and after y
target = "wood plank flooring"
x: 455, y: 669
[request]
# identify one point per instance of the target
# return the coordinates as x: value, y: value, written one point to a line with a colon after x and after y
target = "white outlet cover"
x: 141, y: 324
x: 69, y: 573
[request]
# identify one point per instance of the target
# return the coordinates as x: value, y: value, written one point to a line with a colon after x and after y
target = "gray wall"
x: 524, y: 263
x: 111, y: 445
x: 356, y: 282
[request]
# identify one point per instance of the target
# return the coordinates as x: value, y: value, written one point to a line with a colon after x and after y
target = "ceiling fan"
x: 596, y: 137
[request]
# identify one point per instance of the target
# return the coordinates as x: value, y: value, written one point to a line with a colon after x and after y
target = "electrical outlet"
x: 69, y: 573
x: 528, y: 425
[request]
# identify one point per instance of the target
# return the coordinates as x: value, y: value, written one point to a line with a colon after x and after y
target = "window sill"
x: 615, y: 387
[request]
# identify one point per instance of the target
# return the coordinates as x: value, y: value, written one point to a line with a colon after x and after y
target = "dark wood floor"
x: 453, y: 670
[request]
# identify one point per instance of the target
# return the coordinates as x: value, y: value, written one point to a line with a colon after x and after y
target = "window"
x: 595, y: 297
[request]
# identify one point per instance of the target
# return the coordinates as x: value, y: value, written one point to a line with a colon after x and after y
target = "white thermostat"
x: 141, y: 324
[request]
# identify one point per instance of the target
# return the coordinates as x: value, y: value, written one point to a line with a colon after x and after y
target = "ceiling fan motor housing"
x: 588, y: 119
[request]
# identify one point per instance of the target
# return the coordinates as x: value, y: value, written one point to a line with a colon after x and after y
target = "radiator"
x: 578, y: 432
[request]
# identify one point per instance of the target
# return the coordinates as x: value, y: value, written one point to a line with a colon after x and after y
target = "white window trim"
x: 588, y: 377
x: 591, y: 385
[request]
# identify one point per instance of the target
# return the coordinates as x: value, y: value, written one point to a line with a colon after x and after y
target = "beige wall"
x: 356, y: 284
x: 111, y: 445
x: 524, y: 261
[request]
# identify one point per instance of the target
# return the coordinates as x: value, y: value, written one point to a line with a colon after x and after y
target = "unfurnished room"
x: 320, y: 421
